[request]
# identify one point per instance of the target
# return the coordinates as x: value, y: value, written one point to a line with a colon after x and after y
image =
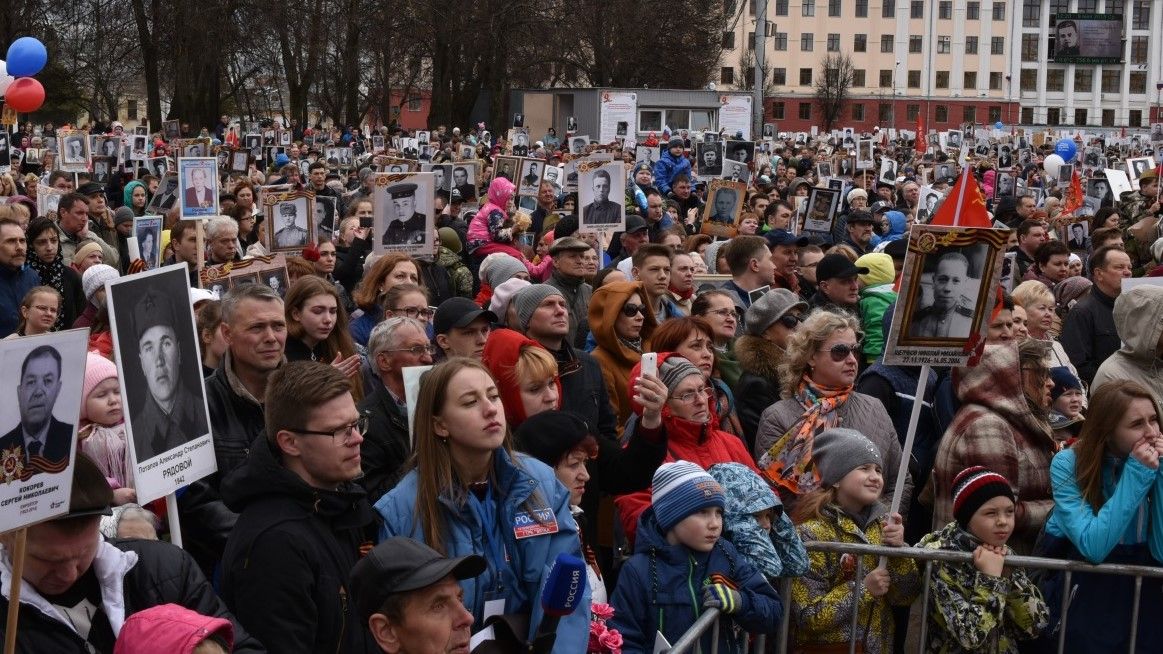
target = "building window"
x: 779, y: 76
x: 749, y: 74
x: 728, y: 40
x: 858, y: 78
x: 1030, y: 47
x: 942, y: 79
x: 971, y: 45
x: 969, y: 114
x: 997, y: 45
x: 805, y: 77
x: 1053, y: 116
x: 726, y: 75
x: 941, y: 115
x: 835, y: 8
x: 750, y: 41
x: 1141, y: 16
x: 999, y: 11
x: 917, y: 9
x: 1108, y: 117
x: 1079, y: 116
x: 806, y: 41
x: 944, y: 10
x: 1028, y: 79
x: 780, y: 41
x: 911, y: 112
x: 995, y: 81
x: 1112, y: 80
x: 858, y: 112
x: 916, y: 44
x: 886, y: 42
x: 914, y: 79
x: 131, y: 109
x: 1138, y: 50
x: 1116, y: 7
x: 805, y: 111
x: 777, y: 110
x: 884, y: 112
x: 994, y: 114
x: 862, y: 8
x: 972, y: 10
x: 833, y: 43
x: 1087, y: 6
x: 414, y: 103
x: 751, y: 7
x: 888, y: 9
x: 885, y: 78
x: 808, y: 8
x: 943, y: 44
x: 1059, y: 6
x: 1135, y: 118
x: 780, y: 7
x: 1055, y: 79
x: 1027, y: 115
x: 1031, y: 12
x: 1083, y: 79
x: 969, y: 83
x: 1138, y: 82
x: 860, y: 43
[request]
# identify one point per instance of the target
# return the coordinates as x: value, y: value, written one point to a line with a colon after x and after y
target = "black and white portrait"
x: 824, y: 169
x: 1098, y: 189
x: 520, y: 142
x: 242, y: 279
x: 103, y: 169
x: 404, y: 213
x: 148, y: 230
x: 276, y: 278
x: 1078, y: 235
x: 949, y: 288
x: 553, y: 176
x: 724, y: 202
x: 888, y: 171
x: 464, y: 176
x: 953, y: 138
x: 743, y: 151
x: 518, y: 120
x: 422, y: 137
x: 846, y: 166
x: 646, y: 154
x: 601, y: 194
x: 736, y: 171
x: 442, y: 174
x: 577, y: 144
x: 289, y: 222
x: 820, y: 211
x: 75, y: 152
x: 1004, y: 185
x: 1137, y: 166
x: 530, y: 176
x: 108, y: 146
x: 709, y: 159
x: 507, y: 167
x: 172, y: 129
x: 325, y: 210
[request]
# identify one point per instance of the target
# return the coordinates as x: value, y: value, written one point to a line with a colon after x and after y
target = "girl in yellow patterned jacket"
x: 846, y: 509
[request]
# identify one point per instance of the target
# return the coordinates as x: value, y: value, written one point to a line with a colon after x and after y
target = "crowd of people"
x: 351, y: 512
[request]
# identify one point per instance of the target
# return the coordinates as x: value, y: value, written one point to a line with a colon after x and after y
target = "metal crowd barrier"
x: 710, y: 619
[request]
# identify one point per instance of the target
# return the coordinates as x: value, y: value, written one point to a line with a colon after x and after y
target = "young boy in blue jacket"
x: 681, y: 566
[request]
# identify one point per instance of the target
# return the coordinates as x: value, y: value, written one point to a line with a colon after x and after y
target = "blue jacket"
x: 667, y: 168
x: 361, y: 327
x: 517, y: 565
x: 898, y: 228
x: 1126, y: 518
x: 778, y: 552
x: 15, y: 283
x: 661, y: 589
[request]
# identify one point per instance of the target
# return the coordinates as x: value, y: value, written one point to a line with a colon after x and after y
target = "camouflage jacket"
x: 975, y: 612
x: 1132, y: 207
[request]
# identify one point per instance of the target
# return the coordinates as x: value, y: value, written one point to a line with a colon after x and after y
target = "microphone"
x: 564, y: 587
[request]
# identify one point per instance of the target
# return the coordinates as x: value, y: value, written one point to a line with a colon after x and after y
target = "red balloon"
x: 25, y: 95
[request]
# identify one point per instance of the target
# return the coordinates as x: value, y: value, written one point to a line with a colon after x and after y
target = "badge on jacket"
x: 539, y: 523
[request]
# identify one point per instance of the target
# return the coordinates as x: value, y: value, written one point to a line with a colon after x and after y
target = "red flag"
x: 1073, y: 199
x: 964, y: 206
x: 920, y: 144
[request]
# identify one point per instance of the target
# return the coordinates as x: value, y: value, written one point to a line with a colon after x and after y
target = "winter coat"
x: 1138, y: 316
x: 15, y: 283
x: 777, y: 552
x: 898, y: 228
x: 667, y: 168
x: 970, y: 611
x: 171, y: 628
x: 758, y: 386
x: 459, y: 273
x: 524, y: 490
x: 386, y: 445
x: 491, y: 223
x: 615, y: 357
x: 287, y: 562
x: 660, y: 589
x: 134, y: 575
x: 996, y: 428
x: 1089, y: 334
x: 895, y: 387
x: 822, y: 599
x: 577, y: 294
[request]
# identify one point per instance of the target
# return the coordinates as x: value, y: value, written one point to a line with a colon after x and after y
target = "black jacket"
x: 758, y: 387
x: 1089, y: 334
x: 163, y: 574
x: 287, y: 562
x: 349, y: 263
x: 386, y: 444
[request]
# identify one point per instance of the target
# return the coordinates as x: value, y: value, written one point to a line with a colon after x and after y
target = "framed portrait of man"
x: 40, y: 410
x: 742, y: 151
x: 519, y: 141
x: 725, y: 200
x: 820, y: 210
x: 326, y: 208
x: 1076, y: 235
x: 464, y: 180
x: 736, y: 171
x: 1136, y: 166
x: 290, y: 219
x: 578, y: 143
x: 156, y: 341
x: 602, y: 195
x: 108, y: 146
x: 1005, y: 185
x: 172, y: 130
x: 709, y: 160
x: 75, y: 154
x: 888, y: 171
x: 239, y: 161
x: 467, y: 153
x: 646, y: 154
x: 530, y: 176
x: 404, y: 213
x: 507, y: 167
x: 198, y: 181
x: 864, y: 160
x: 442, y: 174
x: 148, y: 231
x: 103, y: 168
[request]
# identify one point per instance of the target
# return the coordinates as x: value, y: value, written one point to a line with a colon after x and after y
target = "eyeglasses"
x: 345, y: 434
x: 842, y: 351
x: 415, y: 312
x: 791, y: 320
x: 416, y: 350
x: 690, y: 397
x: 725, y: 313
x: 629, y: 309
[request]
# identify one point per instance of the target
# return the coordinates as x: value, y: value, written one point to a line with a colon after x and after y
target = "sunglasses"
x: 841, y: 351
x: 629, y: 309
x: 790, y: 320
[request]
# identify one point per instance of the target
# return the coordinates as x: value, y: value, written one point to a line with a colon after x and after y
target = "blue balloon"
x: 998, y: 125
x: 26, y: 57
x: 1066, y: 149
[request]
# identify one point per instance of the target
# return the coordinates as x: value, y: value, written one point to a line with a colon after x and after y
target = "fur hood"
x: 759, y: 356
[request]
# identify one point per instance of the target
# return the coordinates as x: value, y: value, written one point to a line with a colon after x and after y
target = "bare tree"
x: 833, y: 86
x: 747, y: 73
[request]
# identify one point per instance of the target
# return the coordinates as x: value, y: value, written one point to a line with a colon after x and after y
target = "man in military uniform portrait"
x: 405, y: 224
x: 290, y: 234
x: 602, y: 210
x: 951, y: 313
x: 172, y: 413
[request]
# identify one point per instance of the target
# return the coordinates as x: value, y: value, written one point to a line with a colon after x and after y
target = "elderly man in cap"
x: 407, y: 227
x: 407, y: 595
x: 571, y: 268
x: 462, y: 328
x: 858, y: 231
x: 837, y: 286
x: 171, y: 414
x: 79, y: 589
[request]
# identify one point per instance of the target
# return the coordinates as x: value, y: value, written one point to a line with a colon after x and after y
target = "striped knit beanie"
x: 680, y: 489
x: 975, y: 486
x: 674, y: 369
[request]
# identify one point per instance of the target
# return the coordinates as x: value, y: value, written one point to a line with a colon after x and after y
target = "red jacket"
x: 170, y: 628
x: 500, y: 357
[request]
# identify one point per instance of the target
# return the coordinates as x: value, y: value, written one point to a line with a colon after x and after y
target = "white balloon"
x: 5, y: 78
x: 1052, y: 163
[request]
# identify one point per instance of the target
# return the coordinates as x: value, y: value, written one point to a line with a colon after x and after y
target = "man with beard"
x: 946, y: 317
x: 171, y: 413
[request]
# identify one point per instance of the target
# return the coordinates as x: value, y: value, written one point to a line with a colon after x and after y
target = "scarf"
x: 51, y: 274
x: 682, y: 296
x: 635, y: 344
x: 788, y: 462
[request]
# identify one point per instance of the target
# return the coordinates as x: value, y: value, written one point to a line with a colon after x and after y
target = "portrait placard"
x: 1136, y: 166
x: 507, y: 167
x: 948, y: 291
x: 165, y: 197
x: 602, y: 195
x: 820, y: 212
x: 193, y: 148
x: 530, y: 176
x: 290, y: 219
x: 464, y: 180
x: 1076, y: 234
x: 397, y: 165
x: 578, y: 143
x: 736, y: 171
x: 158, y: 367
x: 107, y: 146
x: 709, y: 160
x: 36, y: 474
x: 724, y: 204
x: 75, y: 152
x: 404, y: 218
x: 148, y: 230
x: 326, y: 218
x: 198, y: 185
x: 172, y: 129
x: 647, y: 154
x: 47, y: 199
x: 269, y: 270
x: 239, y: 161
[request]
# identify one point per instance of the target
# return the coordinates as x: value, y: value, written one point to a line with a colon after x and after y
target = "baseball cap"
x: 399, y: 565
x: 783, y: 237
x: 635, y: 224
x: 837, y: 266
x: 458, y: 312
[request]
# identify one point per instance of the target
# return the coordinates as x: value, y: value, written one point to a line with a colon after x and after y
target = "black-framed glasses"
x: 415, y: 312
x: 791, y: 320
x: 344, y: 434
x: 629, y: 309
x: 842, y: 351
x: 416, y: 350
